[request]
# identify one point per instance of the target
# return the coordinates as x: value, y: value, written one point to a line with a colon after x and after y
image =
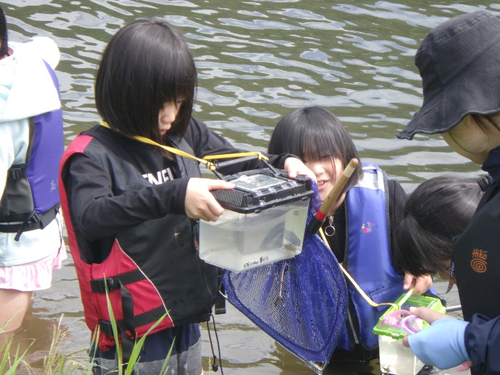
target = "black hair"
x: 4, y: 48
x: 146, y: 64
x: 483, y: 120
x: 436, y: 212
x: 313, y: 133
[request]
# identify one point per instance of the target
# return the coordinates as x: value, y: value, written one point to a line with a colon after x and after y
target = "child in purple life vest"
x: 31, y: 145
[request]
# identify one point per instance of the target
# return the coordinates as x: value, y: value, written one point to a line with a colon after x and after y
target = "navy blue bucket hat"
x: 459, y: 62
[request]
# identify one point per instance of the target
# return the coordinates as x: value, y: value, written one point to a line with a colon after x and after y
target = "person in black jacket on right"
x: 460, y: 70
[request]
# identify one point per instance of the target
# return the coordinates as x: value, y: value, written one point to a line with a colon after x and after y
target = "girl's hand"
x: 200, y: 203
x: 420, y: 284
x: 296, y: 167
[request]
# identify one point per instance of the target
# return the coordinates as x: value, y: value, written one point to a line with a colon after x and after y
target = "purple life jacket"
x: 31, y: 197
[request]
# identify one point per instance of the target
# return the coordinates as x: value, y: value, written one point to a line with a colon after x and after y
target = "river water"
x: 257, y: 61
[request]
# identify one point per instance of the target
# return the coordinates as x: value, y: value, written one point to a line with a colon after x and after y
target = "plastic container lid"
x: 260, y: 189
x: 384, y: 326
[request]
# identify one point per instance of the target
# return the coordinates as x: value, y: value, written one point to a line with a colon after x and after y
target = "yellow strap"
x: 205, y: 161
x: 237, y: 155
x: 172, y: 150
x: 358, y: 288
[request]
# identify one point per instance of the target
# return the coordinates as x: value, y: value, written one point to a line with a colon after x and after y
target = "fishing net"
x: 300, y: 302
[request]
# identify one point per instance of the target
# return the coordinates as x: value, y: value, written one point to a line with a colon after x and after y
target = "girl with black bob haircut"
x: 359, y: 226
x: 436, y: 212
x: 132, y: 210
x: 317, y: 134
x: 144, y: 66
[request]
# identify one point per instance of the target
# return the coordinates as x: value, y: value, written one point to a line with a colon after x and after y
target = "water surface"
x: 257, y: 61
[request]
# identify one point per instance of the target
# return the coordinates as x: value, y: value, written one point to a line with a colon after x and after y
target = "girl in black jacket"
x: 130, y: 206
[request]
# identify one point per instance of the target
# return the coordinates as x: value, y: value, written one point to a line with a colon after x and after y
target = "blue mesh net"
x: 300, y: 302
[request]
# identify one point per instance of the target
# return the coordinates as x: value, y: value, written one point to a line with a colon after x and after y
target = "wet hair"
x: 313, y: 133
x: 436, y: 212
x: 4, y: 48
x: 146, y: 64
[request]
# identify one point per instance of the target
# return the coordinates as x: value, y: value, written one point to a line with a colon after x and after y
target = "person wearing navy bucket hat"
x: 459, y: 62
x: 459, y: 65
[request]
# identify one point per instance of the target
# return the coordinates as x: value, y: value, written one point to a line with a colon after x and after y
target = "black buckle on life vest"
x: 32, y: 222
x: 103, y: 285
x: 129, y: 321
x: 18, y: 172
x: 147, y: 317
x: 29, y: 224
x: 116, y: 282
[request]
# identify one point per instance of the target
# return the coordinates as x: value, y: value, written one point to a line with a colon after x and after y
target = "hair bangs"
x: 313, y: 133
x: 177, y: 83
x: 317, y: 144
x: 146, y: 64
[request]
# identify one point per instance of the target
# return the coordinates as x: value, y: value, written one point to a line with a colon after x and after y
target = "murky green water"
x: 257, y: 60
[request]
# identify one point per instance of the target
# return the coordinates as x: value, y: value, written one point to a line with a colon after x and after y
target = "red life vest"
x: 138, y: 297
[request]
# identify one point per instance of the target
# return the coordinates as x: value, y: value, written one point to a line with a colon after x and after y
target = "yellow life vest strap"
x: 259, y: 155
x: 358, y: 288
x: 205, y: 161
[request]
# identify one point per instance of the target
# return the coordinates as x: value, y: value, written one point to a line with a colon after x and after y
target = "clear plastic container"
x: 264, y: 222
x: 397, y: 359
x: 239, y: 242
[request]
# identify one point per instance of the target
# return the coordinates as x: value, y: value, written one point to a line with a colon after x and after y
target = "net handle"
x: 334, y: 194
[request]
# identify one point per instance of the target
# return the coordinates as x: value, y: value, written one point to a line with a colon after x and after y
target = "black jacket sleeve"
x: 482, y: 339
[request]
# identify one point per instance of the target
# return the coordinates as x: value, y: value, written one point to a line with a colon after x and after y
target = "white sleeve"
x: 46, y: 48
x: 32, y: 91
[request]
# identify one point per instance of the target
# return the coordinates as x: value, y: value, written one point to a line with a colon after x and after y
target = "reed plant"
x: 128, y: 368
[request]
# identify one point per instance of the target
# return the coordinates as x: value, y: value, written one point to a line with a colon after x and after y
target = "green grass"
x: 56, y: 361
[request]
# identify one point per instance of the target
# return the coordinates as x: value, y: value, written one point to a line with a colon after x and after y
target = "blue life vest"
x: 367, y: 257
x: 31, y: 197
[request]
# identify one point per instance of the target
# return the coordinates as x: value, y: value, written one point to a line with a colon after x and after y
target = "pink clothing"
x: 32, y: 276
